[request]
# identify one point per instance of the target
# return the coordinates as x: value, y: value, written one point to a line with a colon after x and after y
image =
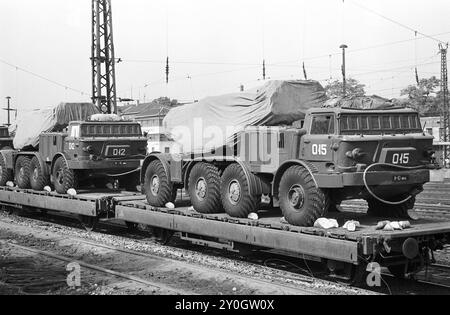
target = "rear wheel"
x: 6, y: 175
x: 158, y: 188
x: 64, y: 178
x: 204, y: 188
x: 22, y: 172
x: 301, y: 201
x: 235, y: 192
x: 380, y: 209
x: 38, y: 178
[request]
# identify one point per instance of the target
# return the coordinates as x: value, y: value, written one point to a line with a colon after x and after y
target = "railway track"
x: 288, y: 283
x: 293, y: 269
x: 97, y: 268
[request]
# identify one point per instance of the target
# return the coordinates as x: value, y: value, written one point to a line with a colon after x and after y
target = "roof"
x: 146, y: 110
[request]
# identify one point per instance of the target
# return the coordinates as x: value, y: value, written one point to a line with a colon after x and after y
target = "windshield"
x: 373, y: 124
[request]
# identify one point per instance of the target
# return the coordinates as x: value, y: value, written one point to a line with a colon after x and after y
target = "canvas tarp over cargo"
x: 361, y: 102
x: 212, y: 122
x: 30, y: 125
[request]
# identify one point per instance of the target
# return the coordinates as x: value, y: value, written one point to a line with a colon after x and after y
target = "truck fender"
x: 280, y: 172
x: 257, y: 185
x: 8, y: 157
x: 163, y: 158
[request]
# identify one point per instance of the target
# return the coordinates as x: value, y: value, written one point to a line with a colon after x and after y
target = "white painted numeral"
x: 400, y: 158
x: 319, y: 149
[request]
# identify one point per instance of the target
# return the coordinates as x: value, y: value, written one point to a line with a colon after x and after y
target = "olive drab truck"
x: 382, y: 156
x: 83, y: 153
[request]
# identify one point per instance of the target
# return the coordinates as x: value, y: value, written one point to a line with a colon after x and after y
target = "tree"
x: 424, y: 97
x: 165, y: 101
x: 353, y: 88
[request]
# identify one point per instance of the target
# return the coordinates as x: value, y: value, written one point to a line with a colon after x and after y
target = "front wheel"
x: 301, y: 201
x: 64, y: 178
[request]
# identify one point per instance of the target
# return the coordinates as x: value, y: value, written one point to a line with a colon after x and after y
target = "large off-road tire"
x: 380, y: 209
x: 39, y: 178
x: 6, y: 175
x: 204, y: 188
x: 158, y: 188
x: 63, y: 177
x: 235, y: 192
x: 22, y: 172
x: 301, y: 202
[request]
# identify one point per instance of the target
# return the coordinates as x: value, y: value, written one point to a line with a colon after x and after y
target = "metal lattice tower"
x: 103, y: 59
x: 445, y: 110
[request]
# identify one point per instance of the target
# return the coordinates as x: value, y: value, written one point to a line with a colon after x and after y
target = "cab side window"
x: 322, y: 125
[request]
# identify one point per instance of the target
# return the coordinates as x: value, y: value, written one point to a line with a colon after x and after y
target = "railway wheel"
x: 237, y: 200
x: 64, y: 178
x: 22, y: 172
x: 6, y: 175
x: 88, y: 223
x: 301, y: 202
x: 38, y: 178
x: 158, y: 188
x: 204, y: 188
x: 380, y: 209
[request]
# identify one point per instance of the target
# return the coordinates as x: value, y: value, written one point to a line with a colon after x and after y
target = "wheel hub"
x: 201, y: 189
x: 234, y: 192
x: 59, y: 177
x: 154, y: 187
x: 296, y: 196
x: 35, y: 174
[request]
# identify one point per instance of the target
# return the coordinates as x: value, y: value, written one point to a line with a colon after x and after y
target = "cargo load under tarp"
x: 30, y: 125
x: 361, y: 102
x: 212, y: 122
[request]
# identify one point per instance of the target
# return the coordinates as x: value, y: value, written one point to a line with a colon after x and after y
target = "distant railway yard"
x: 37, y: 248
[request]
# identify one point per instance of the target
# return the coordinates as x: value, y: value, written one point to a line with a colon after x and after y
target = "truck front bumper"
x: 105, y: 165
x: 381, y: 178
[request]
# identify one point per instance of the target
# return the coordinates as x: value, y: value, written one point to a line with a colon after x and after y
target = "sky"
x: 215, y: 46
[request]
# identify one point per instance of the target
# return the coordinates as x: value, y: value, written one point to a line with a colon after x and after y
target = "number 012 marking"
x: 119, y: 152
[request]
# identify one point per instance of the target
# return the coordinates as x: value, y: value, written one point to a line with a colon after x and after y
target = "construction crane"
x: 103, y: 60
x: 445, y: 109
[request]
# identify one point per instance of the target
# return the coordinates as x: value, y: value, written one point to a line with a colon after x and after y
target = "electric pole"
x: 445, y: 110
x: 103, y: 60
x: 344, y: 78
x: 9, y: 110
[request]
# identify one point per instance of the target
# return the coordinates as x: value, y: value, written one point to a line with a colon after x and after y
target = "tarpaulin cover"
x: 361, y: 102
x: 212, y: 122
x: 30, y: 125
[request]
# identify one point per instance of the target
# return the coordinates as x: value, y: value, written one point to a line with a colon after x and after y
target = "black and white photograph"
x: 224, y: 155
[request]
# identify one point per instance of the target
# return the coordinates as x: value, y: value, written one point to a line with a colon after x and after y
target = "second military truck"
x: 382, y: 156
x: 74, y: 153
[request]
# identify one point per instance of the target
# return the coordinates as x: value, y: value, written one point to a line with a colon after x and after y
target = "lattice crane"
x: 445, y: 109
x: 103, y: 60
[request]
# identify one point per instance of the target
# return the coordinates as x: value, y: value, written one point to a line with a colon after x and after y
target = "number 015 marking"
x: 400, y: 158
x: 319, y: 149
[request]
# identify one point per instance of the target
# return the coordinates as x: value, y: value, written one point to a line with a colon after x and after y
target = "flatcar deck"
x: 266, y: 232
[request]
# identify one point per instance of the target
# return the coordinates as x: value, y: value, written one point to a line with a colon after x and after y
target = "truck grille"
x: 111, y: 130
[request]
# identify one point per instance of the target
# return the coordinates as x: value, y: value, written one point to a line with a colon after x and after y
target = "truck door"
x: 316, y: 145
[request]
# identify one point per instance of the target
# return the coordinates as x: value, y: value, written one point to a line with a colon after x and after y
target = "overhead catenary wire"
x: 62, y: 85
x: 394, y: 21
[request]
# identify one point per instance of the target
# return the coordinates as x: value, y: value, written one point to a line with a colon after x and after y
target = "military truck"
x: 6, y: 141
x: 382, y: 156
x: 86, y: 151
